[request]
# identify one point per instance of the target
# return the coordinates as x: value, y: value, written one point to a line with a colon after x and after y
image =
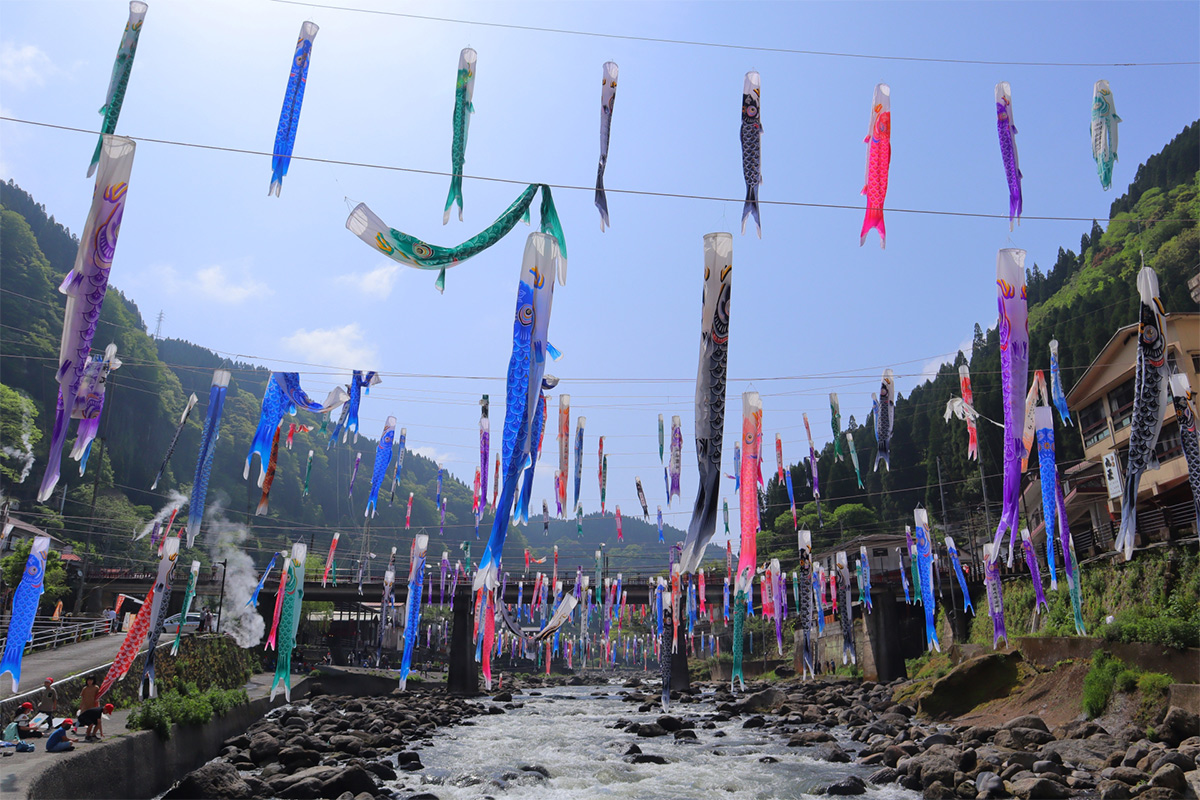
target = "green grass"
x: 191, y: 707
x: 1109, y: 675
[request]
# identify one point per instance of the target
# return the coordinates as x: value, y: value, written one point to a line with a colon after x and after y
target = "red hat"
x: 27, y: 704
x: 49, y: 680
x: 108, y: 708
x: 66, y: 722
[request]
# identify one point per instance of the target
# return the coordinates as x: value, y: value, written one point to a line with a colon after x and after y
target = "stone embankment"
x: 1021, y: 758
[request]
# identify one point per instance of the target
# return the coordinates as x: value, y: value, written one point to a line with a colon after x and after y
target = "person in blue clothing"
x: 60, y: 741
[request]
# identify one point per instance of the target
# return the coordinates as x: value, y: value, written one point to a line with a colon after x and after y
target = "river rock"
x: 1039, y: 789
x: 382, y: 769
x: 766, y: 700
x: 502, y: 697
x: 938, y: 791
x: 972, y: 682
x: 1113, y: 790
x: 807, y: 738
x: 1026, y: 721
x: 215, y: 780
x: 1022, y: 738
x: 830, y: 752
x: 264, y: 748
x: 938, y: 738
x: 1078, y: 729
x: 850, y: 785
x: 294, y: 758
x: 648, y: 730
x: 883, y: 775
x: 983, y: 733
x: 1129, y: 775
x: 989, y: 785
x: 1185, y: 762
x: 353, y: 779
x: 648, y: 758
x: 1179, y: 724
x: 1169, y: 776
x: 670, y: 724
x: 633, y: 750
x: 754, y: 722
x: 685, y: 735
x: 1086, y: 753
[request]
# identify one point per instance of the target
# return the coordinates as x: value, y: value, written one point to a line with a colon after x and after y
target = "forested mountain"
x: 1080, y: 300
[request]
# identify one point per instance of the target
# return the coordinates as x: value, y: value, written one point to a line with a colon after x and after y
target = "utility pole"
x: 221, y: 601
x: 158, y: 326
x: 91, y: 527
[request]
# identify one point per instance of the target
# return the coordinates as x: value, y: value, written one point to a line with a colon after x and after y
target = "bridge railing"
x: 51, y: 633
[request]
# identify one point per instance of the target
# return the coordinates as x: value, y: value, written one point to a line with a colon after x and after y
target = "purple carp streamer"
x: 354, y: 473
x: 187, y: 410
x: 885, y: 416
x: 925, y: 565
x: 1035, y: 571
x: 85, y: 286
x: 1014, y: 379
x: 209, y: 434
x: 1048, y: 473
x: 675, y: 465
x: 25, y: 603
x: 579, y: 425
x: 1149, y: 404
x: 991, y: 577
x: 383, y: 458
x: 903, y: 575
x: 1185, y: 411
x: 958, y: 573
x: 89, y: 404
x: 866, y: 579
x: 119, y: 81
x: 751, y: 147
x: 608, y: 96
x: 1070, y: 562
x: 464, y: 91
x: 485, y: 439
x: 1007, y: 129
x: 293, y: 100
x: 710, y: 396
x: 526, y: 367
x: 1104, y: 132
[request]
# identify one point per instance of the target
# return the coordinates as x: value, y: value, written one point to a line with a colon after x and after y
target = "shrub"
x: 1098, y: 683
x: 192, y: 707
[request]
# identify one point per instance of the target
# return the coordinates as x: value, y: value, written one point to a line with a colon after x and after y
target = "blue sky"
x: 280, y: 281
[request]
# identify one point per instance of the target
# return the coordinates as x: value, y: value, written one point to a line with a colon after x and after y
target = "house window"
x: 1196, y: 363
x: 1120, y: 400
x: 1093, y: 423
x: 1170, y: 444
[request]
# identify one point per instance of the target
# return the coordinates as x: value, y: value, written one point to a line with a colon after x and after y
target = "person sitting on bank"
x: 60, y: 741
x: 93, y: 720
x: 24, y: 720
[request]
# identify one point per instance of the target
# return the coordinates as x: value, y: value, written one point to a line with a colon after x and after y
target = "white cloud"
x: 433, y: 455
x: 217, y: 284
x: 340, y: 347
x: 931, y: 368
x: 377, y: 283
x: 24, y: 67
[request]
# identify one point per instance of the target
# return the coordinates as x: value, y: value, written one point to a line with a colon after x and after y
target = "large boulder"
x: 1026, y: 721
x: 971, y: 683
x: 264, y: 748
x: 1179, y: 724
x: 1039, y: 789
x: 766, y: 700
x: 1022, y: 738
x: 353, y: 779
x: 216, y: 780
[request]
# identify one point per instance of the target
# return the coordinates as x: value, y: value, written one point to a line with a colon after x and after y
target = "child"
x: 25, y: 729
x: 60, y: 741
x: 93, y: 719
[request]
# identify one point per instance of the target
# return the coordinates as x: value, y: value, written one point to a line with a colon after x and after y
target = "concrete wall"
x: 143, y: 765
x: 1046, y: 651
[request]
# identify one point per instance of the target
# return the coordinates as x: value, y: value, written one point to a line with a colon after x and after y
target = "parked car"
x: 190, y: 626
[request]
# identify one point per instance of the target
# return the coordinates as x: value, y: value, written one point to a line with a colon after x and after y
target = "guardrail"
x: 51, y: 633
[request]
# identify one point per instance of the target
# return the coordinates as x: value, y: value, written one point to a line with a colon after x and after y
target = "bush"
x: 192, y: 707
x: 1098, y: 683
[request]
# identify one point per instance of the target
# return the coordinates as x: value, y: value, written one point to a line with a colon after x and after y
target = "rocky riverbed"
x: 829, y: 737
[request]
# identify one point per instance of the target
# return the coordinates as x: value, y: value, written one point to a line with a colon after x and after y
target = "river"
x: 570, y: 733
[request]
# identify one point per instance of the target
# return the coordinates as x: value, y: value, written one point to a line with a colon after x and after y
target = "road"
x: 63, y: 662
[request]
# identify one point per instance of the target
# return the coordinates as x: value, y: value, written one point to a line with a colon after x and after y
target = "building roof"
x: 1112, y: 347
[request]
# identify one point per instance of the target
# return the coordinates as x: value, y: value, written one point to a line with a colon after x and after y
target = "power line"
x: 562, y: 186
x: 727, y: 46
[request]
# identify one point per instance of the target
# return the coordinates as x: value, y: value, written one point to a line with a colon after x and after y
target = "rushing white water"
x: 569, y: 733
